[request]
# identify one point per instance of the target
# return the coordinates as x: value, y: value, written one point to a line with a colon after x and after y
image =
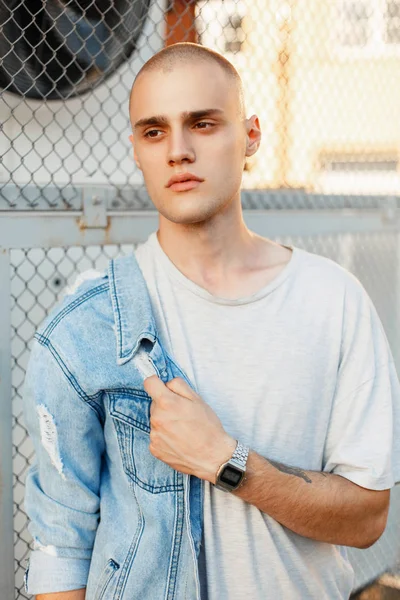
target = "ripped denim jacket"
x: 104, y: 513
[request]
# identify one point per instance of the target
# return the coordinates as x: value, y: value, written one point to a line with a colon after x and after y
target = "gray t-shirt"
x: 302, y: 373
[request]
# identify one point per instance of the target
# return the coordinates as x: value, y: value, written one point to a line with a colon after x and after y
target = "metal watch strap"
x: 241, y: 454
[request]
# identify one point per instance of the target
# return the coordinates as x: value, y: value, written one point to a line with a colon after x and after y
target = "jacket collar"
x: 133, y: 314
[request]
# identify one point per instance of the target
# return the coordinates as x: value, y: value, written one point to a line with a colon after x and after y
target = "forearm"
x: 72, y: 595
x: 321, y: 506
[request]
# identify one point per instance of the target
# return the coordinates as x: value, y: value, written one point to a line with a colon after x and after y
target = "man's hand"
x: 73, y: 595
x: 185, y: 432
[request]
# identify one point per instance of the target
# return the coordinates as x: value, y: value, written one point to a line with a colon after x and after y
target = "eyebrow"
x: 186, y: 116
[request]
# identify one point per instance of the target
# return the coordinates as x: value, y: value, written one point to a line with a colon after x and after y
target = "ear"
x: 253, y: 135
x: 134, y: 152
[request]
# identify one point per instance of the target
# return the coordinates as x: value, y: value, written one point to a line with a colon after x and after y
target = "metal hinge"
x: 94, y: 212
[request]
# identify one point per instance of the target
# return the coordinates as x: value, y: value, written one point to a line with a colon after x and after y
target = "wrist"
x: 232, y: 473
x: 224, y: 450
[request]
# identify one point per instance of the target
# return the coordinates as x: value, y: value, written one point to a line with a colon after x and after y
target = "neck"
x: 211, y: 253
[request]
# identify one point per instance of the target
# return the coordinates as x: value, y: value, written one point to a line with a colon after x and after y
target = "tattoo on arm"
x: 290, y: 470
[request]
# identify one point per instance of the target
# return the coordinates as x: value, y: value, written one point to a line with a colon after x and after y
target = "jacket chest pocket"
x: 130, y: 411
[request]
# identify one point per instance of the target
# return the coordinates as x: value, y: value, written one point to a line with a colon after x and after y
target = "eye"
x: 152, y: 133
x: 204, y: 124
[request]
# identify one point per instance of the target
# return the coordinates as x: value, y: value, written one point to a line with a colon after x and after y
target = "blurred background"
x: 324, y: 78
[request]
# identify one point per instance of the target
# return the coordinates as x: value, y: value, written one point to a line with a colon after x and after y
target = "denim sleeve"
x: 62, y: 486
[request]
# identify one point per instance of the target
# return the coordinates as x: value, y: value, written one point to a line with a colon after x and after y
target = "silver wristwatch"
x: 231, y: 474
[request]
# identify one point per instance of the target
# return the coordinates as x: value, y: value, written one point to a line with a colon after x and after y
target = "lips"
x: 183, y: 178
x: 184, y: 186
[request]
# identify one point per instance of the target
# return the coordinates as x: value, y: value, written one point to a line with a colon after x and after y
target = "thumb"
x: 179, y: 386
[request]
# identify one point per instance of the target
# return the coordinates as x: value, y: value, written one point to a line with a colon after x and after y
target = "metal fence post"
x: 6, y: 483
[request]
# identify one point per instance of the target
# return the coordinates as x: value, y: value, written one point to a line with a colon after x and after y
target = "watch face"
x: 231, y: 475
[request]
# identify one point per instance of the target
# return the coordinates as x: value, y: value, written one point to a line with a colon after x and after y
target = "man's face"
x: 188, y: 120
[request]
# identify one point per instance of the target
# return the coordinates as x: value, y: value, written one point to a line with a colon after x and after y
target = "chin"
x: 186, y: 219
x: 189, y: 214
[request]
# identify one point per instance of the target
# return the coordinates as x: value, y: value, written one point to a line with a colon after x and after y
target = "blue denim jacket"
x: 104, y: 512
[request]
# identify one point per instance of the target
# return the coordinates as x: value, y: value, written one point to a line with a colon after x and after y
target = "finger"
x: 179, y: 386
x: 153, y: 407
x: 154, y: 386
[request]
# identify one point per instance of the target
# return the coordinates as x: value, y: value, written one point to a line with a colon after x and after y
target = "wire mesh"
x: 39, y: 278
x: 322, y: 75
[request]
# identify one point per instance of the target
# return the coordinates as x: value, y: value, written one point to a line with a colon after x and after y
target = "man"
x: 226, y: 429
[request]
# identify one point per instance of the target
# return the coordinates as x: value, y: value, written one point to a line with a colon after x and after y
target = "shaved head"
x: 188, y: 119
x: 185, y: 52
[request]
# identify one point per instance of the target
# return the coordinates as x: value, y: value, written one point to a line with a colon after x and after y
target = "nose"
x: 180, y: 149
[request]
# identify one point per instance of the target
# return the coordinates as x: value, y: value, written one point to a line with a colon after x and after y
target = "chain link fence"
x: 323, y: 77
